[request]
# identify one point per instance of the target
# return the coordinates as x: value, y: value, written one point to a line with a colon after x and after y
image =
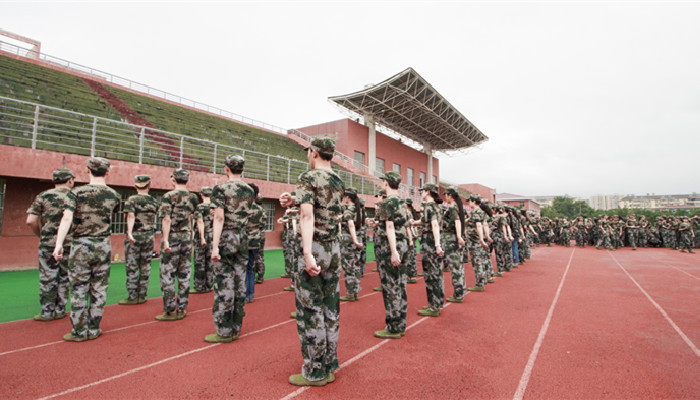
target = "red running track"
x: 571, y: 323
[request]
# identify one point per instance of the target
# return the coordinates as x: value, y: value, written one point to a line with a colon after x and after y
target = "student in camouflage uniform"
x: 632, y: 231
x: 203, y: 266
x: 256, y: 216
x: 604, y: 232
x: 44, y: 217
x: 486, y: 208
x: 88, y: 209
x: 501, y: 239
x: 565, y: 232
x: 361, y: 229
x: 643, y: 232
x: 177, y: 211
x: 524, y: 247
x: 431, y: 250
x: 477, y: 244
x: 392, y: 261
x: 232, y: 201
x: 687, y: 236
x: 259, y: 265
x: 380, y: 247
x: 412, y: 266
x: 452, y: 223
x: 140, y: 210
x: 319, y: 193
x: 695, y: 224
x: 350, y: 245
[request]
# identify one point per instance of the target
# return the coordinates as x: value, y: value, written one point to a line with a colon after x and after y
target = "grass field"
x: 19, y: 290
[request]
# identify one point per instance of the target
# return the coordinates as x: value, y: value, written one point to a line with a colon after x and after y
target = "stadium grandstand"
x: 54, y: 113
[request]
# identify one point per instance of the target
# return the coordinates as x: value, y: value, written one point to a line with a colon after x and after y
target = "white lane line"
x: 357, y: 357
x: 525, y: 378
x: 30, y: 348
x: 661, y: 310
x: 141, y: 368
x: 677, y: 269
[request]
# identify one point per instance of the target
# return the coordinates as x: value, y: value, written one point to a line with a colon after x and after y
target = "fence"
x: 37, y: 126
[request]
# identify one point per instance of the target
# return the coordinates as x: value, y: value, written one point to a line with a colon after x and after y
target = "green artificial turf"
x: 19, y: 290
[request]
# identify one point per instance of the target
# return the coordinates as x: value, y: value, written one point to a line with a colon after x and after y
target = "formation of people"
x: 613, y: 232
x: 324, y: 232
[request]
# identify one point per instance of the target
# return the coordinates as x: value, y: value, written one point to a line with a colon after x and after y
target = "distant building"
x: 485, y: 192
x: 519, y: 201
x: 661, y: 202
x: 605, y: 201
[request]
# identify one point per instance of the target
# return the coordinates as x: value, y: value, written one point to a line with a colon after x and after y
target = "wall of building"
x: 352, y: 136
x: 484, y: 191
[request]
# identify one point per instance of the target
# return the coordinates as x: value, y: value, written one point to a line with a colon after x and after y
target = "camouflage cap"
x: 392, y: 178
x: 62, y: 175
x: 324, y: 145
x: 235, y: 163
x: 381, y: 193
x: 181, y: 174
x: 429, y: 187
x: 474, y: 197
x: 350, y: 190
x: 409, y: 201
x: 206, y: 191
x: 452, y: 191
x: 141, y: 181
x: 98, y: 164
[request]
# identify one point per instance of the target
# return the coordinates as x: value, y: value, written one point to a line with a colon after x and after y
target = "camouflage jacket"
x: 235, y: 198
x: 144, y: 207
x: 179, y: 205
x: 448, y: 219
x: 92, y: 207
x: 203, y: 211
x: 430, y: 212
x: 324, y: 190
x: 348, y: 215
x: 475, y: 216
x: 48, y: 205
x: 393, y: 209
x: 256, y: 226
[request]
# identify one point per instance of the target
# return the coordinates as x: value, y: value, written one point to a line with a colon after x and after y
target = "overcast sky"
x: 576, y: 97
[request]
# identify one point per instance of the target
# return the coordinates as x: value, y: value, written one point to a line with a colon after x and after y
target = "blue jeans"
x: 514, y: 245
x: 250, y: 274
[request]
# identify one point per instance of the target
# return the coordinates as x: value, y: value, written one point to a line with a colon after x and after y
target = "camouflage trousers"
x: 632, y: 238
x: 480, y: 262
x: 432, y: 272
x: 88, y: 271
x: 259, y: 265
x: 176, y: 264
x: 697, y: 238
x: 203, y: 265
x: 453, y: 261
x: 686, y: 241
x: 349, y: 255
x: 318, y: 311
x: 229, y: 283
x: 501, y: 248
x: 580, y: 240
x: 291, y: 257
x: 465, y: 253
x: 362, y: 260
x: 566, y: 238
x: 604, y: 240
x: 643, y: 238
x: 53, y: 283
x: 412, y: 263
x: 524, y: 248
x: 393, y: 279
x: 138, y: 265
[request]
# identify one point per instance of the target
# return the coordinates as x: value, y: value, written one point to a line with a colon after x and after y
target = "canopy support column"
x: 428, y: 150
x: 371, y: 145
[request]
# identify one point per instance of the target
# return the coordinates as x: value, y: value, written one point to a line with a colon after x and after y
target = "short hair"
x: 325, y: 156
x: 97, y: 174
x: 181, y: 181
x: 60, y: 181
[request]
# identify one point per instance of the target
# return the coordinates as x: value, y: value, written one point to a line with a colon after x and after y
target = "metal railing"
x: 143, y: 88
x: 36, y: 126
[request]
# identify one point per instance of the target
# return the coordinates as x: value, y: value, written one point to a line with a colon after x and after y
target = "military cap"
x: 475, y: 198
x: 409, y: 201
x: 392, y: 178
x: 324, y: 145
x: 98, y: 164
x: 141, y: 181
x: 62, y: 175
x: 452, y: 191
x: 350, y: 190
x: 181, y: 174
x: 235, y: 163
x: 362, y: 201
x: 429, y: 187
x: 381, y: 193
x: 206, y: 191
x: 258, y: 199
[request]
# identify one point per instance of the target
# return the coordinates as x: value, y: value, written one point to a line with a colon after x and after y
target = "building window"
x: 522, y: 204
x: 396, y: 168
x: 435, y: 179
x: 421, y: 179
x: 2, y: 200
x: 409, y: 176
x: 380, y: 167
x: 269, y: 209
x: 359, y: 160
